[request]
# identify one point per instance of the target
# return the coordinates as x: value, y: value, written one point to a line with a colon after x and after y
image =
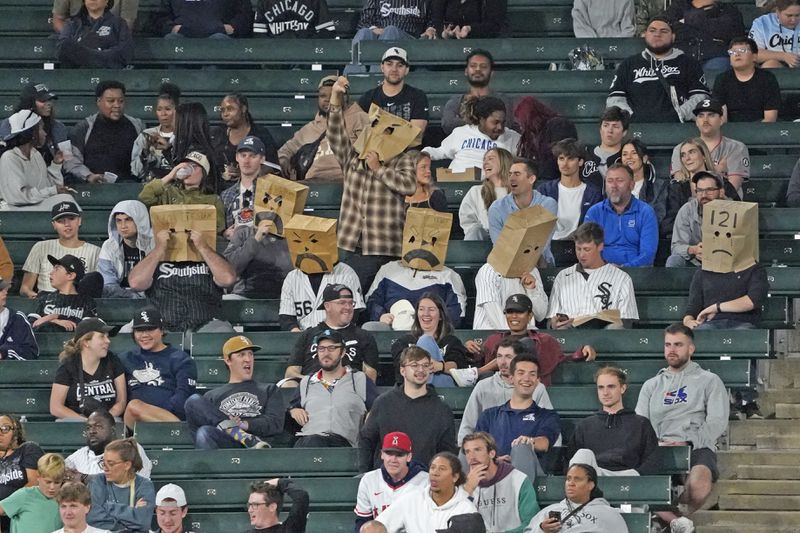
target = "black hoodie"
x: 619, y: 441
x: 201, y: 19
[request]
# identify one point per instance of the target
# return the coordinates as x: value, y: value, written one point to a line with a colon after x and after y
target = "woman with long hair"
x: 777, y: 34
x: 473, y: 213
x: 38, y: 98
x: 540, y: 128
x: 427, y: 194
x: 95, y: 37
x: 152, y: 152
x: 584, y: 510
x: 647, y: 186
x: 89, y: 376
x: 192, y: 133
x: 122, y: 500
x: 485, y: 128
x: 433, y: 332
x: 18, y: 461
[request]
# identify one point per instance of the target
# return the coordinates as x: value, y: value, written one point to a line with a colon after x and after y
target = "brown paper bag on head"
x: 178, y: 219
x: 425, y: 238
x: 730, y: 236
x: 312, y: 243
x: 598, y: 320
x: 283, y: 197
x: 522, y: 241
x: 388, y: 135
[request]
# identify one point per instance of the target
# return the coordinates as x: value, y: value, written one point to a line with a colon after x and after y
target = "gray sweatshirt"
x: 27, y: 181
x: 691, y: 405
x: 597, y: 517
x: 603, y: 18
x: 687, y: 230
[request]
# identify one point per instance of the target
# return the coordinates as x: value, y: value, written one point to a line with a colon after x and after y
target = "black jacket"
x: 105, y: 42
x: 201, y: 19
x: 293, y: 18
x: 487, y: 18
x: 705, y: 33
x: 427, y: 420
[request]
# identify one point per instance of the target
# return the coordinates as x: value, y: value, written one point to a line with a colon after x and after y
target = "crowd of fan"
x: 607, y: 199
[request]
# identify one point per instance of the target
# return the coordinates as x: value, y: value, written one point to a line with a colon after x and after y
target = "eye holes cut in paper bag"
x: 179, y: 220
x: 312, y: 243
x: 283, y: 197
x: 388, y: 135
x: 522, y: 241
x: 730, y: 236
x: 425, y: 238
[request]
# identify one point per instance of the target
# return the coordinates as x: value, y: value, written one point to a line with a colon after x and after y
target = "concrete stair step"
x: 761, y: 472
x: 751, y: 529
x: 759, y: 487
x: 746, y: 457
x: 770, y: 397
x: 784, y: 373
x: 787, y: 410
x: 791, y: 442
x: 745, y: 520
x: 771, y: 502
x: 744, y: 432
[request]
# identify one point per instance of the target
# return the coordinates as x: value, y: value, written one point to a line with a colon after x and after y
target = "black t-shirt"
x: 12, y: 472
x: 748, y: 100
x: 130, y: 258
x: 437, y: 202
x: 359, y: 347
x: 99, y: 385
x: 72, y: 307
x: 186, y: 294
x: 410, y: 103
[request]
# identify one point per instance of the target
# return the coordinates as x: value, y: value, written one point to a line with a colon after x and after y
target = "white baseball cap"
x: 395, y: 53
x: 21, y: 121
x: 170, y: 491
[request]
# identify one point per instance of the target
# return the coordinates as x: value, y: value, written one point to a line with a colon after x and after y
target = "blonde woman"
x: 89, y: 377
x: 122, y: 500
x: 427, y: 194
x: 473, y: 215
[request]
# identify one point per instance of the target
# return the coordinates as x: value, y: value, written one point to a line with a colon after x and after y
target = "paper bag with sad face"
x: 388, y: 135
x: 425, y: 238
x: 282, y: 197
x: 522, y: 241
x: 730, y: 236
x: 179, y: 219
x: 312, y: 243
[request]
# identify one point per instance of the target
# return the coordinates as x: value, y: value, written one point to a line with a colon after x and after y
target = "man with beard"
x: 100, y: 430
x: 687, y: 233
x: 478, y: 69
x: 630, y: 226
x: 330, y: 403
x: 687, y: 406
x: 323, y: 165
x: 661, y: 84
x: 397, y: 97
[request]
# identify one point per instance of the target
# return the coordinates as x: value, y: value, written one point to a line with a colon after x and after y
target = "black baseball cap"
x: 519, y: 302
x: 704, y: 174
x: 334, y: 292
x: 465, y: 523
x: 330, y: 334
x: 148, y: 318
x: 71, y: 264
x: 708, y: 105
x: 38, y: 92
x: 65, y: 209
x: 88, y: 325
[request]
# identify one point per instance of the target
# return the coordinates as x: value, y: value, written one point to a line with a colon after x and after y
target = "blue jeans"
x: 726, y: 323
x: 220, y: 36
x: 390, y: 33
x: 203, y: 417
x: 717, y: 63
x: 428, y: 343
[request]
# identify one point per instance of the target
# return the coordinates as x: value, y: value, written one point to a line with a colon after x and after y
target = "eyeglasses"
x: 419, y: 366
x: 108, y: 465
x: 708, y: 190
x: 738, y: 51
x: 6, y: 429
x: 345, y: 302
x: 329, y: 349
x: 255, y: 505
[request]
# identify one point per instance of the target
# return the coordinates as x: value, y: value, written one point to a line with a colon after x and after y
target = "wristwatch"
x: 718, y: 308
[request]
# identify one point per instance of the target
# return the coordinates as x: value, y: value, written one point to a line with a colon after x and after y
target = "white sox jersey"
x: 375, y: 495
x: 299, y: 299
x: 491, y: 292
x: 578, y: 292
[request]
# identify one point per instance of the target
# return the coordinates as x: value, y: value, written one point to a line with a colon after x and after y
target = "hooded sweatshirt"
x: 27, y: 180
x: 507, y: 502
x: 467, y: 145
x: 691, y: 405
x: 104, y: 42
x: 201, y: 19
x: 112, y: 263
x: 637, y: 87
x: 416, y: 512
x: 603, y: 18
x: 596, y: 517
x: 261, y: 266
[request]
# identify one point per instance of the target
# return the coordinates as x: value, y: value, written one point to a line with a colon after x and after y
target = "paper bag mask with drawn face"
x: 425, y: 238
x: 730, y: 236
x: 179, y: 219
x: 388, y: 135
x: 312, y: 243
x: 282, y: 197
x: 522, y: 241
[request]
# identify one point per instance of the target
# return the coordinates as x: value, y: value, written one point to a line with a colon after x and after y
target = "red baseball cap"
x: 396, y: 441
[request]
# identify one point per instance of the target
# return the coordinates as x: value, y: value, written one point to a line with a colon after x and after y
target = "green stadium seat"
x: 37, y: 225
x: 59, y: 437
x: 50, y: 344
x: 663, y: 310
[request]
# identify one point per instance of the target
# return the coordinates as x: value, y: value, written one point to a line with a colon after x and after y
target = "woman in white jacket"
x: 427, y: 509
x: 473, y: 213
x: 584, y: 510
x: 485, y: 129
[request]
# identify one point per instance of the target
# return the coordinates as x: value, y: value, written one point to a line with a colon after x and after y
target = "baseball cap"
x: 93, y: 324
x: 327, y: 80
x: 22, y: 121
x: 200, y: 159
x: 252, y: 144
x: 396, y: 441
x: 465, y: 523
x: 395, y: 53
x: 519, y: 302
x: 334, y: 292
x: 703, y: 174
x: 148, y: 318
x: 330, y: 334
x: 237, y: 344
x: 403, y: 312
x: 38, y: 92
x: 72, y: 264
x: 65, y: 209
x: 170, y: 491
x: 714, y: 106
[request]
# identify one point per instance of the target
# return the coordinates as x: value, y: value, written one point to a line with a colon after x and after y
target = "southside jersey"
x: 185, y: 293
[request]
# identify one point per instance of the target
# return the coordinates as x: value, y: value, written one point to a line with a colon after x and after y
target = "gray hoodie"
x: 687, y: 230
x: 691, y: 405
x: 111, y: 262
x: 603, y: 18
x: 597, y: 517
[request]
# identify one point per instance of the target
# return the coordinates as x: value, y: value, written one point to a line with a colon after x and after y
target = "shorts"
x: 707, y: 458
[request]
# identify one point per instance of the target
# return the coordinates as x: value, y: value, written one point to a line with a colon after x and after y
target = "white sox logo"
x: 605, y: 294
x: 145, y: 317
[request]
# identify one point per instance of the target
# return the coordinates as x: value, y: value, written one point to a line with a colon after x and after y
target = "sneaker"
x: 246, y: 439
x: 681, y: 525
x: 464, y: 377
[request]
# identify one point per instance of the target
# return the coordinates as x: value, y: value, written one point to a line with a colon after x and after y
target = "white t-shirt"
x: 37, y: 262
x: 637, y: 188
x: 89, y: 529
x: 86, y: 462
x: 570, y: 200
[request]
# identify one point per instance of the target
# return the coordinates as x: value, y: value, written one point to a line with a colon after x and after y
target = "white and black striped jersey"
x: 299, y: 299
x: 578, y: 292
x: 185, y: 293
x: 491, y: 292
